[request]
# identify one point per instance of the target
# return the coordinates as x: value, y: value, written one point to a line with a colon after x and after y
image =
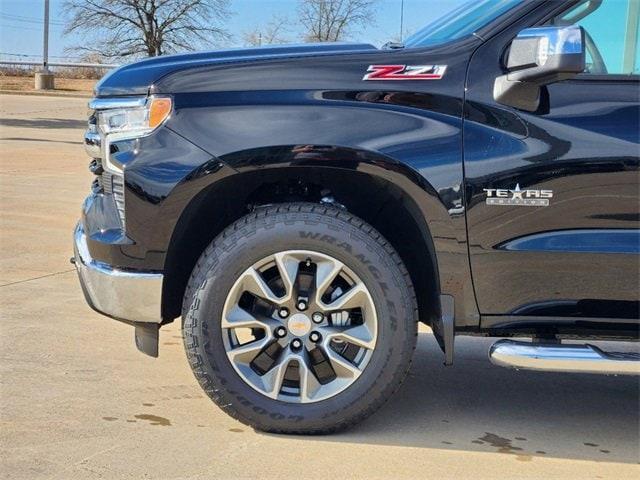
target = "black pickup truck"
x: 303, y: 207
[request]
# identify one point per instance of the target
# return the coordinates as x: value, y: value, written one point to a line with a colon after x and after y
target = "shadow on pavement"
x: 43, y: 123
x: 475, y: 406
x: 26, y: 139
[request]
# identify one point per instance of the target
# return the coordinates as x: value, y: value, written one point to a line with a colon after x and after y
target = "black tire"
x: 303, y: 226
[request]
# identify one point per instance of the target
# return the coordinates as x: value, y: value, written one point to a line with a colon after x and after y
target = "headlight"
x: 133, y: 121
x: 119, y: 118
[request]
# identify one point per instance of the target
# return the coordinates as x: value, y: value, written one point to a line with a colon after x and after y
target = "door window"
x: 611, y: 34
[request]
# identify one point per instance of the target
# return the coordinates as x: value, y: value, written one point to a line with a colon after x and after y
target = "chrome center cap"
x: 299, y: 325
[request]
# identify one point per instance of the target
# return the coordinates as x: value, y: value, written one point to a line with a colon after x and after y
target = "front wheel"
x: 299, y: 318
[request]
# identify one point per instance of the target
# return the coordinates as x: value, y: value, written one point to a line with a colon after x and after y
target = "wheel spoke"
x: 326, y: 272
x: 238, y: 317
x: 246, y: 353
x: 288, y: 268
x: 359, y: 335
x: 355, y: 297
x: 252, y: 282
x: 342, y: 366
x: 309, y: 384
x: 272, y: 380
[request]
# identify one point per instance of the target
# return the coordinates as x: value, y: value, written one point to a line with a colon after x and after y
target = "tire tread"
x: 198, y: 277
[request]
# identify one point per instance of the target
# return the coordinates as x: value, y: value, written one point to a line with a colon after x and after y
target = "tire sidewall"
x: 230, y: 255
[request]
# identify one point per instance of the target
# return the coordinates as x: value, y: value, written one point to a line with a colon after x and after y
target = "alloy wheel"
x: 299, y: 326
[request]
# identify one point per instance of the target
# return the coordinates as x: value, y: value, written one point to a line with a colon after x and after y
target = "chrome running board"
x: 562, y: 358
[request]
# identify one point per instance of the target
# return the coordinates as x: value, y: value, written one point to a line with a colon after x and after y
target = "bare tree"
x: 272, y: 33
x: 333, y: 20
x: 122, y: 28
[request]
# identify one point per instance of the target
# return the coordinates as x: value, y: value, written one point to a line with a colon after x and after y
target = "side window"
x: 612, y: 39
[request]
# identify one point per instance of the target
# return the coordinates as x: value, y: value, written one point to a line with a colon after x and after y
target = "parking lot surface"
x: 77, y: 401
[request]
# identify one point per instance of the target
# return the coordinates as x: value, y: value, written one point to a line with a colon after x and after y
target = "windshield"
x: 460, y: 22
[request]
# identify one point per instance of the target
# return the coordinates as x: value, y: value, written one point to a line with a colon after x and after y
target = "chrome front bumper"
x: 121, y: 294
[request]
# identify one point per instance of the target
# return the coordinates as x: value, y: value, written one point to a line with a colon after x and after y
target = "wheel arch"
x: 387, y: 194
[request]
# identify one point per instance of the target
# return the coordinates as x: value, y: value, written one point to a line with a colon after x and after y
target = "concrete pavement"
x: 78, y: 401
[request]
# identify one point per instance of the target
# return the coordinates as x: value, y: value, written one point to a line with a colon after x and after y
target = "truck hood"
x: 137, y: 78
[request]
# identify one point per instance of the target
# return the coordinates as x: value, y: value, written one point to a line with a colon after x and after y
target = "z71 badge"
x: 524, y: 198
x: 405, y: 72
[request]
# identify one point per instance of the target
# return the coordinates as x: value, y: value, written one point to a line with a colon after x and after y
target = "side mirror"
x: 538, y: 57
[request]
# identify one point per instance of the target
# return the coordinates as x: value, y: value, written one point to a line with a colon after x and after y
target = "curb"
x: 46, y: 94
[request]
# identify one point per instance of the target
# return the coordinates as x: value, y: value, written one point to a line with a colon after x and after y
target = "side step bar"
x: 562, y: 358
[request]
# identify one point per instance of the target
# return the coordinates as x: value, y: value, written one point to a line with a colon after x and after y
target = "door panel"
x: 578, y: 256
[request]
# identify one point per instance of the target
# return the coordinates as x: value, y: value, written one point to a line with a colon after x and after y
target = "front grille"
x: 107, y: 183
x: 117, y: 187
x: 113, y: 185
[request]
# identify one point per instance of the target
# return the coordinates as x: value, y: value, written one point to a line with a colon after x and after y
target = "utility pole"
x: 45, y: 42
x: 401, y: 20
x: 44, y: 78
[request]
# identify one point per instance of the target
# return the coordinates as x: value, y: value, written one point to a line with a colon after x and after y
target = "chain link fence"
x: 20, y: 65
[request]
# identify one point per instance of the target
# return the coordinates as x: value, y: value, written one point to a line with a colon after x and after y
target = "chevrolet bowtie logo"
x: 519, y: 197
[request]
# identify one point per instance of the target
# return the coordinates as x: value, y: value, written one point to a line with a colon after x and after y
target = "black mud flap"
x: 443, y: 328
x: 147, y: 338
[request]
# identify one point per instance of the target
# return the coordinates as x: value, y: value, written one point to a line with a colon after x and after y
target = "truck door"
x: 571, y: 257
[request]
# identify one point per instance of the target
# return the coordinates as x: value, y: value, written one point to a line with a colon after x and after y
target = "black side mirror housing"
x: 538, y: 57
